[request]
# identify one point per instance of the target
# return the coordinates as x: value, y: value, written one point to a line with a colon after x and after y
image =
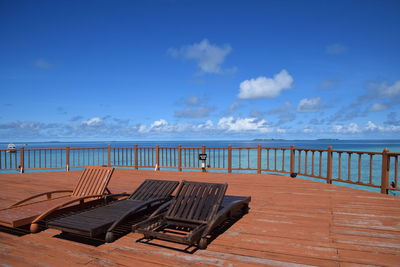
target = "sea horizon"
x: 372, y: 145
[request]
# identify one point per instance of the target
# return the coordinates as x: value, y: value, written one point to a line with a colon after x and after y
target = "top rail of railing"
x: 372, y: 169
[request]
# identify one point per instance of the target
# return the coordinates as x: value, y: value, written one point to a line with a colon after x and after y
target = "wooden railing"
x: 372, y: 169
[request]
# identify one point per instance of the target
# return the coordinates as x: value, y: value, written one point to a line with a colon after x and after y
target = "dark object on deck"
x: 106, y: 219
x: 195, y: 211
x: 293, y: 174
x: 91, y: 185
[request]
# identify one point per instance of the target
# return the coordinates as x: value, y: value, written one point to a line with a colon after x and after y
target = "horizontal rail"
x: 369, y: 169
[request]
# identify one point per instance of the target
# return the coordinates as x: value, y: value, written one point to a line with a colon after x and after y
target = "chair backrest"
x: 196, y: 202
x: 93, y: 181
x: 153, y: 189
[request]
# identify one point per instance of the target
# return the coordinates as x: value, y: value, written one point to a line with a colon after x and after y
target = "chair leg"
x: 203, y: 243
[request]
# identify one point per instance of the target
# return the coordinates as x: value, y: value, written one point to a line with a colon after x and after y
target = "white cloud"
x: 232, y: 124
x: 351, y: 128
x: 309, y: 105
x: 335, y: 49
x: 208, y: 125
x: 209, y: 57
x: 159, y: 123
x: 377, y: 107
x: 374, y: 127
x: 264, y: 87
x: 95, y: 121
x: 308, y: 130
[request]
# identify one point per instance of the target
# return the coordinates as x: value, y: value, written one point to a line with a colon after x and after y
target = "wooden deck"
x: 291, y: 222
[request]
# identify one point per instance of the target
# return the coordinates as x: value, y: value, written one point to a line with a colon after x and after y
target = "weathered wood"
x: 92, y: 181
x: 96, y: 221
x: 292, y: 221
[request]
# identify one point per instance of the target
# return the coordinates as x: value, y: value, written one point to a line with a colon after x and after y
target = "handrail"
x: 366, y: 168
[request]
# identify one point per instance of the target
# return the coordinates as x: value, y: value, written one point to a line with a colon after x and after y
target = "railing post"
x: 109, y: 155
x: 136, y: 164
x: 259, y: 151
x: 67, y: 150
x: 385, y: 172
x: 157, y: 168
x: 179, y: 158
x: 203, y: 162
x: 292, y: 160
x: 329, y: 166
x: 21, y: 160
x: 229, y: 159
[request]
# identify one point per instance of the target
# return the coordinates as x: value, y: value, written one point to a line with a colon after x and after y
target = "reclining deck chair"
x: 105, y: 219
x: 194, y: 213
x: 92, y: 185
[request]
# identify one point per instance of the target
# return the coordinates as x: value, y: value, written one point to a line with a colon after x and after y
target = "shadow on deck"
x: 291, y: 222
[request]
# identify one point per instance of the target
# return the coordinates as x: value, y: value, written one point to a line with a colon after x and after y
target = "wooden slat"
x: 151, y: 189
x: 197, y: 202
x: 93, y: 181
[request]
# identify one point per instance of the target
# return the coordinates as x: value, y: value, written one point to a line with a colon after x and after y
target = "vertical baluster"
x: 259, y: 154
x: 340, y: 166
x: 359, y: 168
x: 349, y: 167
x: 51, y: 158
x: 240, y: 158
x: 329, y: 158
x: 189, y: 157
x: 275, y: 159
x: 320, y: 164
x: 306, y: 161
x: 229, y: 158
x: 171, y: 159
x: 299, y: 161
x: 248, y: 158
x: 179, y: 158
x: 283, y: 159
x: 396, y: 171
x: 370, y: 168
x: 312, y: 163
x: 223, y: 158
x: 268, y: 159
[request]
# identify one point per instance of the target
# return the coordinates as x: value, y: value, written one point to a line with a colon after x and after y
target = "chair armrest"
x: 48, y: 194
x: 106, y: 197
x: 161, y: 209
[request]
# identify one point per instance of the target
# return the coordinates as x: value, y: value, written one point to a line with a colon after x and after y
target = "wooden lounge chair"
x: 195, y: 212
x: 91, y: 185
x: 105, y: 219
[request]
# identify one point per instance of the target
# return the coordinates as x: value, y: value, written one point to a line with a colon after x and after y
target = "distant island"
x: 270, y: 139
x: 273, y: 139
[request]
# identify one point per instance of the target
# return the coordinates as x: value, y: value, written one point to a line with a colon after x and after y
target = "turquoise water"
x: 359, y: 145
x: 246, y: 159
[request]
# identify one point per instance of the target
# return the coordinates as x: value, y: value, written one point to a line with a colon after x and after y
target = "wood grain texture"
x: 292, y: 222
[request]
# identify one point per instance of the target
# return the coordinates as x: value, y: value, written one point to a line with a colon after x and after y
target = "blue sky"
x: 160, y: 70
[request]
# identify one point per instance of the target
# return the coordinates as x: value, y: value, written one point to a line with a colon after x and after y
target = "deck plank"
x: 292, y: 222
